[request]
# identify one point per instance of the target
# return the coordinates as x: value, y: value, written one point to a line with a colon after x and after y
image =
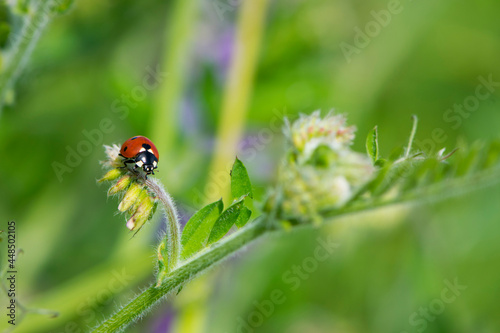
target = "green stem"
x: 183, y: 274
x: 24, y: 43
x: 430, y: 194
x: 172, y: 240
x: 227, y: 246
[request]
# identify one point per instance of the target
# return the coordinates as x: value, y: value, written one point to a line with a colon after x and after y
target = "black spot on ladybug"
x: 146, y: 146
x: 125, y: 149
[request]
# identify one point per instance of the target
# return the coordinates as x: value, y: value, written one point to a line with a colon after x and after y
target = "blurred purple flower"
x: 224, y: 50
x: 190, y: 117
x: 163, y: 323
x: 216, y: 46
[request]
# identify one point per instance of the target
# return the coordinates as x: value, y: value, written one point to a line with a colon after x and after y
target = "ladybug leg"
x: 125, y: 162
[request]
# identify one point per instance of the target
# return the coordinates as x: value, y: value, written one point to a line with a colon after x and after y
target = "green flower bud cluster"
x: 312, y: 131
x: 137, y: 201
x: 320, y: 171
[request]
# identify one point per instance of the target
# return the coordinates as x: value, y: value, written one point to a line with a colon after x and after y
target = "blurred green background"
x: 78, y: 257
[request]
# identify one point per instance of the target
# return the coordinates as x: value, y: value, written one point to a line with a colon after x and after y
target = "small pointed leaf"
x: 240, y: 182
x: 244, y: 217
x: 372, y: 144
x: 226, y: 221
x: 197, y: 230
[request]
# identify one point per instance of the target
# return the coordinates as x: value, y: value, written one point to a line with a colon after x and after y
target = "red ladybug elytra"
x: 141, y: 151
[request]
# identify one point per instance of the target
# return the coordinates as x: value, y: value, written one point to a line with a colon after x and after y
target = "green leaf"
x: 243, y: 217
x: 200, y: 216
x: 372, y: 144
x: 240, y: 182
x: 197, y: 230
x: 225, y: 221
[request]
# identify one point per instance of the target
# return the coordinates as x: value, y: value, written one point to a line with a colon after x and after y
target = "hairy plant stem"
x: 231, y: 244
x: 23, y: 44
x: 172, y: 239
x: 180, y: 276
x: 431, y: 194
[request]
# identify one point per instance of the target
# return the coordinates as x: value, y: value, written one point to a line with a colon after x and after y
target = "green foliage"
x: 372, y: 144
x: 226, y: 220
x: 211, y: 223
x: 25, y: 38
x: 240, y: 182
x: 198, y: 228
x: 407, y: 175
x: 414, y: 178
x: 4, y: 33
x: 411, y: 180
x: 243, y: 217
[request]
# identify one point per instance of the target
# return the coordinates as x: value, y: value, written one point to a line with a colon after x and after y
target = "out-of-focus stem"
x: 180, y: 26
x: 238, y: 89
x: 23, y: 44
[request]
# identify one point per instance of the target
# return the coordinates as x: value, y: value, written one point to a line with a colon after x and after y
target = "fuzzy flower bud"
x: 111, y: 175
x: 114, y: 160
x: 321, y: 171
x: 138, y: 201
x: 144, y: 194
x: 311, y: 131
x: 140, y: 197
x: 141, y: 215
x: 121, y: 185
x: 130, y: 197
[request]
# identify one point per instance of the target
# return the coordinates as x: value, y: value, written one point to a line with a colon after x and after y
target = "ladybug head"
x: 147, y: 161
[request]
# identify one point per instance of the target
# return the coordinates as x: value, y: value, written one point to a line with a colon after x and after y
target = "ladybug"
x: 141, y: 151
